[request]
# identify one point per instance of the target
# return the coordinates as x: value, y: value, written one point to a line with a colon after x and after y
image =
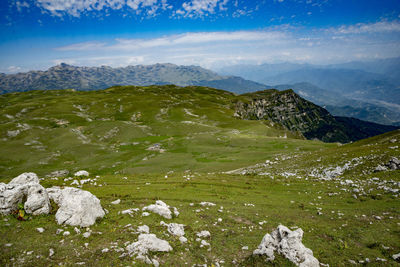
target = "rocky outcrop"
x: 24, y: 187
x: 289, y: 244
x: 76, y: 207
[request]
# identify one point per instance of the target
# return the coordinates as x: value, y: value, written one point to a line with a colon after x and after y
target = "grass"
x: 196, y: 157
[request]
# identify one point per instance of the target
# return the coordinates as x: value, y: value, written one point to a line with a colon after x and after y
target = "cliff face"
x: 297, y: 114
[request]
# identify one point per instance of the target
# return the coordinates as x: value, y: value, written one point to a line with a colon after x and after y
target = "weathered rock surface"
x: 38, y: 200
x: 394, y: 164
x: 25, y: 178
x: 162, y: 209
x: 24, y: 186
x: 175, y: 229
x: 288, y: 243
x: 145, y: 244
x: 76, y: 207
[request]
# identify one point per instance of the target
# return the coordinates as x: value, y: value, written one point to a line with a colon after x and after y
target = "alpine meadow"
x: 199, y: 133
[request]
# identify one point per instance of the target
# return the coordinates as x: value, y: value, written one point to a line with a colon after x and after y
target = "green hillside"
x: 184, y: 146
x: 113, y: 131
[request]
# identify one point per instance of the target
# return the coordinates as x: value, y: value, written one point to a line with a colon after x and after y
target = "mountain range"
x: 65, y: 76
x: 364, y: 90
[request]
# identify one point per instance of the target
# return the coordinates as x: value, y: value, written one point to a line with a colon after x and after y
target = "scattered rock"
x: 76, y: 207
x: 162, y: 209
x: 288, y: 243
x: 396, y: 257
x: 60, y: 173
x: 82, y: 173
x: 204, y: 234
x: 40, y: 229
x: 51, y: 252
x: 66, y: 233
x: 175, y: 229
x: 380, y: 168
x: 116, y: 202
x: 86, y: 234
x: 210, y: 204
x: 394, y: 164
x: 147, y: 243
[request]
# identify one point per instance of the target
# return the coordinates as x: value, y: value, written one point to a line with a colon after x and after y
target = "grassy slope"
x: 333, y: 237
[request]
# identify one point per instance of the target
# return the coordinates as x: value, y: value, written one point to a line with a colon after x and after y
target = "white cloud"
x: 214, y: 49
x: 200, y: 8
x: 13, y: 69
x: 377, y: 27
x: 77, y: 7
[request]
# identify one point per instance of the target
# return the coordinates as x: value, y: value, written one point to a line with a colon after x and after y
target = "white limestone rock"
x: 203, y: 234
x: 24, y: 185
x: 116, y: 202
x: 288, y: 243
x: 143, y: 229
x: 175, y: 229
x: 82, y: 173
x: 38, y: 200
x: 25, y: 178
x: 76, y: 207
x: 162, y: 209
x: 147, y: 243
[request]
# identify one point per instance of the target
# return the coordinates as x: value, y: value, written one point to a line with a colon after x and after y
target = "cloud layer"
x: 214, y: 49
x: 75, y: 8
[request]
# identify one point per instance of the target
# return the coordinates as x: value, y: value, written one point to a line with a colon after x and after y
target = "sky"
x: 38, y: 34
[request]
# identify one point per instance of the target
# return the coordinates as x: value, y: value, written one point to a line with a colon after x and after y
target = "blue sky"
x: 37, y: 34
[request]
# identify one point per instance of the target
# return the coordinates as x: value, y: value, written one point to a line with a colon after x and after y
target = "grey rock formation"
x: 76, y: 207
x: 24, y: 186
x: 147, y: 243
x: 38, y: 200
x: 394, y: 164
x: 288, y: 243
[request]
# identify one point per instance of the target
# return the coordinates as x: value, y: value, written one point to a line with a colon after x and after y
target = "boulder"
x: 25, y: 186
x: 10, y: 197
x: 37, y: 201
x: 76, y: 207
x: 287, y: 243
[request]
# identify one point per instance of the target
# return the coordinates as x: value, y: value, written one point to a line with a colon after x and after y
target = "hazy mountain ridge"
x: 65, y: 76
x: 370, y: 88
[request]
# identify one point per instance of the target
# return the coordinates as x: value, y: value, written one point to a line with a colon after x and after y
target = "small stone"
x: 116, y: 202
x: 51, y: 252
x: 105, y: 250
x: 86, y: 234
x: 40, y: 229
x: 66, y: 233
